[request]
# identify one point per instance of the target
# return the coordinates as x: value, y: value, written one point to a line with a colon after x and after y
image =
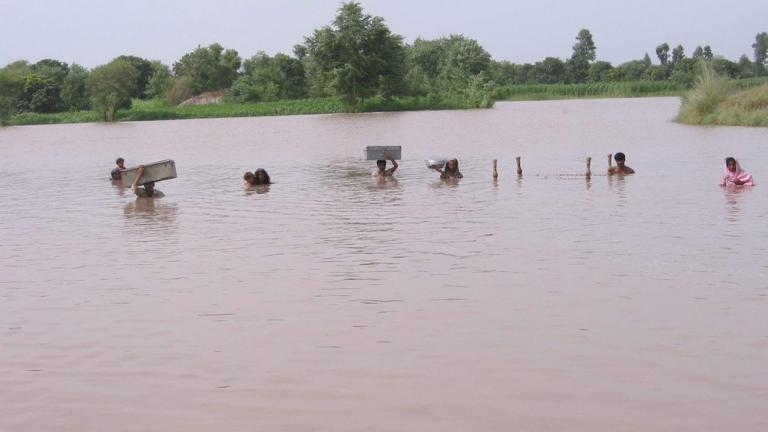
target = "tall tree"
x: 698, y: 53
x: 761, y: 52
x: 74, y: 90
x: 584, y: 52
x: 647, y: 59
x: 144, y: 73
x: 678, y: 54
x: 356, y: 57
x: 708, y: 53
x: 111, y: 87
x: 209, y: 68
x: 662, y: 52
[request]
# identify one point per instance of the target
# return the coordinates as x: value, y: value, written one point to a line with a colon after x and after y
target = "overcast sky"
x: 92, y: 32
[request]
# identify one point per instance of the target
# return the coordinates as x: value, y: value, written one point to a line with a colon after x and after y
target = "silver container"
x: 436, y: 163
x: 153, y: 172
x: 377, y: 152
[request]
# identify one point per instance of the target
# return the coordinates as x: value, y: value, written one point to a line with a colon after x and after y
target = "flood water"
x: 333, y: 302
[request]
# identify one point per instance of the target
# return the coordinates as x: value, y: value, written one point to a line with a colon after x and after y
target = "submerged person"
x: 734, y: 175
x: 620, y: 168
x: 260, y: 177
x: 116, y: 173
x: 147, y: 190
x: 450, y: 171
x: 381, y: 164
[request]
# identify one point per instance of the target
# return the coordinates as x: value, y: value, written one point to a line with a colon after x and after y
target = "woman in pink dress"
x: 734, y: 175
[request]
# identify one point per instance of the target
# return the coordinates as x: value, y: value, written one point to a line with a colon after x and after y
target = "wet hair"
x: 730, y: 160
x: 115, y: 174
x: 619, y: 157
x: 119, y: 161
x: 249, y: 177
x: 455, y: 162
x: 150, y: 188
x: 261, y: 172
x: 381, y: 164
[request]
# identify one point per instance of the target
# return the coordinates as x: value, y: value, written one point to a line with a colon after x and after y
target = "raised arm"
x: 138, y: 176
x: 610, y: 164
x: 394, y: 163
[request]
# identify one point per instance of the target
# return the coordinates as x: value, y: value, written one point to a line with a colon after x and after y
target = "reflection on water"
x: 404, y: 303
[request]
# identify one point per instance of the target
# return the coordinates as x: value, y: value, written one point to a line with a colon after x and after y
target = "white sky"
x: 92, y: 32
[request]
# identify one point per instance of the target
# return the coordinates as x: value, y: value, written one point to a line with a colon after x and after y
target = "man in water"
x: 116, y: 173
x: 148, y: 190
x: 620, y: 168
x: 382, y: 166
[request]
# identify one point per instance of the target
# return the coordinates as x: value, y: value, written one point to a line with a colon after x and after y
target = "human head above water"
x: 249, y: 178
x: 150, y: 188
x: 620, y: 158
x: 120, y: 162
x: 261, y: 176
x: 452, y: 166
x: 382, y: 164
x: 731, y: 163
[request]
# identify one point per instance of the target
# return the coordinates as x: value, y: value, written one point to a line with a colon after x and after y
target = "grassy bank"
x: 718, y: 100
x: 157, y: 110
x: 589, y: 90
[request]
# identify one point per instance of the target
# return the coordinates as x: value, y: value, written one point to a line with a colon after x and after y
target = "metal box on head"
x: 377, y: 152
x: 153, y: 172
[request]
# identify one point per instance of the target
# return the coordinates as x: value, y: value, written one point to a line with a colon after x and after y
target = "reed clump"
x: 718, y: 100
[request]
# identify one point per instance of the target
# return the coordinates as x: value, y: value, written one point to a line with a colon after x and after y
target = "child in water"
x: 451, y: 170
x: 148, y: 190
x: 382, y: 166
x: 257, y: 178
x: 734, y: 175
x: 116, y: 173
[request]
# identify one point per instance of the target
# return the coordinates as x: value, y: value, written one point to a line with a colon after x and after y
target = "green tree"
x: 210, y: 68
x: 708, y: 53
x: 647, y: 60
x: 685, y: 72
x: 144, y: 73
x: 12, y: 80
x: 111, y: 88
x: 52, y: 69
x: 41, y: 94
x: 159, y: 82
x: 551, y: 70
x: 630, y: 71
x: 746, y: 67
x: 677, y: 54
x: 599, y: 71
x: 356, y: 57
x: 268, y: 78
x: 662, y: 52
x: 761, y: 52
x: 584, y: 52
x: 698, y: 53
x: 74, y: 89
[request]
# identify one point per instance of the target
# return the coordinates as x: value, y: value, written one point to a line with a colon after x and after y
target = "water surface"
x: 333, y: 302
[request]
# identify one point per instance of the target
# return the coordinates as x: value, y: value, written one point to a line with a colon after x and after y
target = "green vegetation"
x: 718, y: 100
x: 354, y: 64
x: 143, y: 110
x: 590, y: 90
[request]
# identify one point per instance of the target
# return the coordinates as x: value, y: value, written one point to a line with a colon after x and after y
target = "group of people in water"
x: 734, y: 174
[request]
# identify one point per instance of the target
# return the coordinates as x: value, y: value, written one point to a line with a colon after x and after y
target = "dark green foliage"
x: 143, y: 73
x: 760, y: 48
x: 41, y: 94
x: 684, y: 72
x: 269, y: 78
x: 584, y: 52
x: 677, y: 54
x: 662, y: 52
x: 746, y: 67
x: 550, y: 71
x: 210, y: 68
x: 698, y: 53
x: 354, y: 58
x: 708, y: 53
x: 111, y: 88
x: 74, y: 89
x: 12, y: 79
x: 599, y: 71
x: 160, y: 82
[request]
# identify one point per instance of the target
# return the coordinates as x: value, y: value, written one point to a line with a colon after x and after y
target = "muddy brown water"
x: 333, y: 302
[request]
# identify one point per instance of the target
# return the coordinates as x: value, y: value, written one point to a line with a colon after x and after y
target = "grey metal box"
x: 377, y: 152
x: 153, y: 172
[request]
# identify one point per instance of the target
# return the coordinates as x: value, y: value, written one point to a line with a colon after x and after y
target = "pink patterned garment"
x: 742, y: 176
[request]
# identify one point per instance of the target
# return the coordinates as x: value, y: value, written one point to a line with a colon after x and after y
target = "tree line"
x: 353, y: 58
